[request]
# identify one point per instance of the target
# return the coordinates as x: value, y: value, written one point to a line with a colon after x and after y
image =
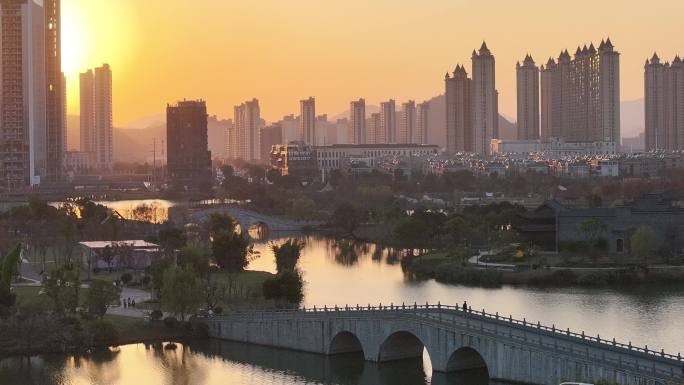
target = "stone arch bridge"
x: 248, y: 218
x: 456, y: 340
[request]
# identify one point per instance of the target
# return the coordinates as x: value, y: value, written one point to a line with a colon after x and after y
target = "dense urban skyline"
x: 281, y: 42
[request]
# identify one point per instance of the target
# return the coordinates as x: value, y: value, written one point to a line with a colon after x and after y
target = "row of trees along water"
x: 198, y: 268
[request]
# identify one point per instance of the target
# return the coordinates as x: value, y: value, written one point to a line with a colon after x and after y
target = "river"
x: 340, y: 273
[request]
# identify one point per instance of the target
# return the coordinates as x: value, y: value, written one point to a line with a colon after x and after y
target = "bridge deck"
x: 543, y: 338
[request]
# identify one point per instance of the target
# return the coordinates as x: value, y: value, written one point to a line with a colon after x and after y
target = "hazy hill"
x: 632, y: 118
x: 133, y: 143
x: 136, y: 144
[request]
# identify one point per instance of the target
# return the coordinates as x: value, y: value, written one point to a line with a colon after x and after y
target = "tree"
x: 227, y: 170
x: 106, y: 254
x: 196, y: 257
x: 220, y: 223
x: 304, y: 208
x: 214, y: 294
x: 346, y: 218
x: 231, y: 251
x: 287, y: 254
x: 62, y: 286
x: 171, y: 239
x: 183, y: 291
x: 100, y: 295
x: 157, y: 270
x: 644, y: 244
x: 287, y: 286
x: 9, y: 270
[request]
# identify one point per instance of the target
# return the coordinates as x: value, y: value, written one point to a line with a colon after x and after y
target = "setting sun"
x: 93, y: 33
x: 76, y: 42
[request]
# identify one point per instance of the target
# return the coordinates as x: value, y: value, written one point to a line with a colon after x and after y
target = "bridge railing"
x: 469, y: 312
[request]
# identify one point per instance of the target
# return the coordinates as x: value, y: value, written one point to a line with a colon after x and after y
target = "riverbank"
x: 444, y: 268
x: 73, y: 335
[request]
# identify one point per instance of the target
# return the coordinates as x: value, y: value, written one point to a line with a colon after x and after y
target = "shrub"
x: 96, y: 270
x: 145, y: 280
x: 218, y: 310
x: 156, y: 315
x: 103, y: 332
x: 126, y: 278
x: 170, y: 322
x: 287, y: 286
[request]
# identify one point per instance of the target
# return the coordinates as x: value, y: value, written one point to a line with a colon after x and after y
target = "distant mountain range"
x: 134, y: 142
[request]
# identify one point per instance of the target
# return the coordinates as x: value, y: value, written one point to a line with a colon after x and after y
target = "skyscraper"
x: 87, y: 108
x: 188, y: 155
x: 65, y: 129
x: 581, y: 95
x: 55, y: 129
x: 270, y: 136
x: 102, y: 112
x: 458, y: 111
x: 23, y: 105
x: 245, y: 142
x: 357, y: 122
x: 307, y: 121
x: 388, y: 122
x: 407, y: 131
x: 664, y: 101
x: 485, y: 100
x: 422, y: 122
x: 96, y: 116
x: 527, y: 76
x: 373, y: 129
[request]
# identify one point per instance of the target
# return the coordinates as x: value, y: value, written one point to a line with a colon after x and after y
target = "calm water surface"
x: 338, y: 272
x: 217, y: 363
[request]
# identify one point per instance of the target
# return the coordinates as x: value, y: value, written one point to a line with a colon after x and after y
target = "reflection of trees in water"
x: 346, y: 252
x: 181, y: 366
x: 101, y: 366
x: 258, y: 231
x: 201, y: 360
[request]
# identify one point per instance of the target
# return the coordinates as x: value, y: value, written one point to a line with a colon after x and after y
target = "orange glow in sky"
x: 281, y: 51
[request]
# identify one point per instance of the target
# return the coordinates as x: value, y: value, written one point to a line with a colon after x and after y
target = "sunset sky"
x: 281, y: 51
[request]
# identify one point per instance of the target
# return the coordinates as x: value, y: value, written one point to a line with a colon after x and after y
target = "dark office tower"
x: 188, y: 155
x: 357, y: 122
x: 459, y: 117
x: 527, y: 76
x: 54, y: 92
x: 422, y: 122
x: 270, y: 136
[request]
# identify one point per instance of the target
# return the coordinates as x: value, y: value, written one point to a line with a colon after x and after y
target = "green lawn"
x: 243, y: 290
x: 26, y: 293
x: 248, y: 278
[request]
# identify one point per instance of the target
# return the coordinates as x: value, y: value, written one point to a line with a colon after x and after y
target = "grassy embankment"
x: 446, y: 267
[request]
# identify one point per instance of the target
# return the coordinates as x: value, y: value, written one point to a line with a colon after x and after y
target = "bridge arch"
x: 345, y: 342
x: 466, y: 359
x: 400, y: 345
